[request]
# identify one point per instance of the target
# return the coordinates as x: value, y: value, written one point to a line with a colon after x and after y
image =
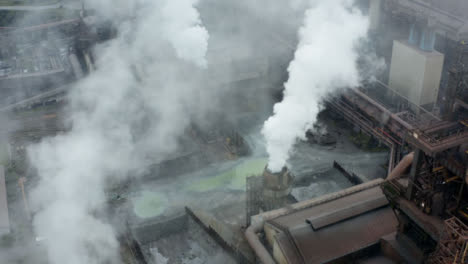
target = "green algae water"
x: 149, y: 204
x: 234, y: 179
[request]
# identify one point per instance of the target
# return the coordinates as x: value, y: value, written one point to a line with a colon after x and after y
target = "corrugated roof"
x: 454, y: 7
x: 299, y: 217
x: 302, y: 244
x: 329, y: 218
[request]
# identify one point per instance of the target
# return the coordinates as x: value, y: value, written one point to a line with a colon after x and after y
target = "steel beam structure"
x: 403, y: 129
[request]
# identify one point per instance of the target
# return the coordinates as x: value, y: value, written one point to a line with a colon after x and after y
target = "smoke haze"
x: 134, y: 105
x: 325, y: 60
x: 149, y: 85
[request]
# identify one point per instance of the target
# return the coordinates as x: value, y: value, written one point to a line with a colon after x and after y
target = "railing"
x: 414, y: 125
x: 381, y: 93
x: 363, y: 122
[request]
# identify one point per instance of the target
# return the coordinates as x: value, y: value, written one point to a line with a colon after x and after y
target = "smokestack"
x: 277, y: 185
x: 325, y: 61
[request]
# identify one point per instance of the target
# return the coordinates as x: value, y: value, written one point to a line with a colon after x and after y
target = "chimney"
x: 277, y: 185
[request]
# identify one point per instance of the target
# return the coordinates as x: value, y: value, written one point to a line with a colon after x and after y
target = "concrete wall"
x: 270, y: 233
x: 374, y: 13
x: 415, y: 74
x: 432, y: 78
x: 4, y: 216
x: 278, y: 254
x: 5, y: 155
x: 153, y: 230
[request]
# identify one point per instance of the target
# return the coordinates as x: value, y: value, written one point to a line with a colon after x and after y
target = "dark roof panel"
x: 329, y: 218
x: 299, y: 217
x: 343, y: 226
x: 343, y: 238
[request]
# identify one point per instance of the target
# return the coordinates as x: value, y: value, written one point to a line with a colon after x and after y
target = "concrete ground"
x: 190, y: 246
x: 220, y: 187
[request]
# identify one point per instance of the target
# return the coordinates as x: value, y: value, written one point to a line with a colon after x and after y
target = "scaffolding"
x: 254, y: 197
x: 257, y: 201
x: 453, y: 244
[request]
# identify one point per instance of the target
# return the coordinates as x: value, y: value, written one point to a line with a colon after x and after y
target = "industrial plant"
x: 222, y: 131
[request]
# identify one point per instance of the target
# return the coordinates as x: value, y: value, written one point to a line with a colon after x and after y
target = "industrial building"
x: 419, y: 111
x: 386, y: 183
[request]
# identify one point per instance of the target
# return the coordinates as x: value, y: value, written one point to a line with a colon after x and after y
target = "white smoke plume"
x: 184, y: 31
x: 135, y: 104
x: 325, y: 60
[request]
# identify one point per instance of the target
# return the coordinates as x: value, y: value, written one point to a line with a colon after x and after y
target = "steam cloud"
x: 325, y: 60
x: 134, y: 105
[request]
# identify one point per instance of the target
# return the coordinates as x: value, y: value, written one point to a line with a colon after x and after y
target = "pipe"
x: 259, y: 220
x: 459, y: 104
x: 260, y: 251
x: 384, y: 110
x: 402, y: 166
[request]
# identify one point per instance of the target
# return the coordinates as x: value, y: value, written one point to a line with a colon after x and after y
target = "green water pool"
x: 234, y: 179
x: 149, y: 204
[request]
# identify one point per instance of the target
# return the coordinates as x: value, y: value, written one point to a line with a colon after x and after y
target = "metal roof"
x: 299, y: 217
x: 449, y: 16
x: 346, y: 225
x: 454, y: 7
x: 329, y: 218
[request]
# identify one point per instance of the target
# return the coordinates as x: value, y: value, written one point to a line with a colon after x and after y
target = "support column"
x: 448, y: 100
x: 375, y: 11
x: 391, y: 162
x: 455, y: 78
x: 466, y: 176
